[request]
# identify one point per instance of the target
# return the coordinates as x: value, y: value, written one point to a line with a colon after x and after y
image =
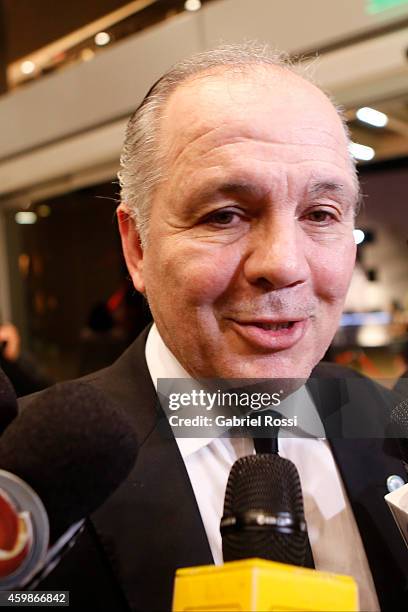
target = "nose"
x: 277, y: 255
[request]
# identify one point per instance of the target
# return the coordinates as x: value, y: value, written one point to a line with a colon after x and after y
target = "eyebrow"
x: 348, y: 198
x: 240, y: 188
x: 243, y: 189
x: 319, y: 187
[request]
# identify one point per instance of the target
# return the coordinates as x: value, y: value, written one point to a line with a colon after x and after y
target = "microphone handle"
x: 55, y: 554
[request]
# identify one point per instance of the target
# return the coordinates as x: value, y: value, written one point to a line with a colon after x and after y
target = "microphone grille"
x: 399, y: 419
x: 267, y: 484
x: 263, y: 481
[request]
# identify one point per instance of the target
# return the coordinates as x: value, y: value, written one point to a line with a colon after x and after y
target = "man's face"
x: 250, y: 248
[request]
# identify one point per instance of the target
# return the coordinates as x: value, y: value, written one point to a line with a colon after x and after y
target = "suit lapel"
x: 364, y: 465
x: 151, y: 525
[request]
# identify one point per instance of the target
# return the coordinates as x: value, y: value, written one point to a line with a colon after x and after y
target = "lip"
x: 268, y: 339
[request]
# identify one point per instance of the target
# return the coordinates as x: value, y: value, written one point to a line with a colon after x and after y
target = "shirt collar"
x: 162, y: 364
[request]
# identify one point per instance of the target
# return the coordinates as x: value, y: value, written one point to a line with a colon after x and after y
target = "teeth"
x: 275, y: 327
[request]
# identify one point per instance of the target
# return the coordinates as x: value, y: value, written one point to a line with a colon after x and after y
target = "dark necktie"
x: 270, y: 445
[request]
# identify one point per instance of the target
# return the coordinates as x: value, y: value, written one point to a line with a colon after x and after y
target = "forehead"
x: 265, y: 107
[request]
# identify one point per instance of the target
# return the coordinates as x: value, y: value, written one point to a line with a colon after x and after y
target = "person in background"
x: 111, y: 327
x: 24, y: 374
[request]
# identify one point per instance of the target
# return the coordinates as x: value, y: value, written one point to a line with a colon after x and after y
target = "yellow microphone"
x: 268, y: 559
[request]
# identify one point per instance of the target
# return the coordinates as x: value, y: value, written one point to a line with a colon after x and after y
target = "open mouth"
x: 273, y: 326
x: 271, y: 335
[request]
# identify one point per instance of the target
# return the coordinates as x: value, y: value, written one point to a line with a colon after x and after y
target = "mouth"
x: 271, y: 326
x: 271, y: 335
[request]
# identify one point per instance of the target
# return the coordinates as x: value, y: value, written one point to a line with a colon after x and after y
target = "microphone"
x: 397, y: 430
x: 399, y: 424
x: 265, y: 543
x: 263, y: 511
x: 397, y: 500
x: 59, y: 461
x: 8, y: 402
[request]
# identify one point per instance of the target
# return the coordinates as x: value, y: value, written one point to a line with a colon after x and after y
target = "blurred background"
x: 70, y: 75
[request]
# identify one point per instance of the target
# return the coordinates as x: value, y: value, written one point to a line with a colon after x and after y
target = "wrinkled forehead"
x: 261, y: 102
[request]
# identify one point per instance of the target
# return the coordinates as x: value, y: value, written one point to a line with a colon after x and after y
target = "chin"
x: 265, y: 368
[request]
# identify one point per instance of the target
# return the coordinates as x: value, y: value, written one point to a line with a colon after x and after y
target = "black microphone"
x: 263, y: 511
x: 263, y: 517
x: 66, y: 452
x: 398, y: 427
x: 399, y: 417
x: 8, y: 402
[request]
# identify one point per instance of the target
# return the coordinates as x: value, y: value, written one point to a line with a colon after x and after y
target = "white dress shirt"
x: 333, y: 533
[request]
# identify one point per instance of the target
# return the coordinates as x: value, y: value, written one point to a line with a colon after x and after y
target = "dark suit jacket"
x: 128, y: 554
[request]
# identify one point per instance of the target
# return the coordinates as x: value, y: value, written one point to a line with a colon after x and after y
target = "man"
x: 237, y: 216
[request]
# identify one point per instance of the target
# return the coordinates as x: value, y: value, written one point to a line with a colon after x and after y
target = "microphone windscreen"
x: 8, y: 402
x: 399, y: 419
x: 73, y: 447
x: 264, y: 500
x: 398, y: 428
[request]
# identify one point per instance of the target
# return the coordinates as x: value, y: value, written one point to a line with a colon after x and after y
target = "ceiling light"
x: 359, y: 236
x: 372, y: 116
x: 102, y: 39
x: 362, y: 152
x: 87, y: 54
x: 43, y: 210
x: 27, y: 67
x: 192, y: 5
x: 25, y: 218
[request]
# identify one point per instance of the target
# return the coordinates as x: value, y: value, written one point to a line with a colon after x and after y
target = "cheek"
x: 198, y: 275
x: 332, y: 272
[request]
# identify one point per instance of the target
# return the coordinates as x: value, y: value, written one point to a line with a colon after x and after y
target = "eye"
x: 223, y: 217
x: 321, y: 216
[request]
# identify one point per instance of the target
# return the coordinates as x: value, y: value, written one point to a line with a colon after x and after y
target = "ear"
x: 132, y: 248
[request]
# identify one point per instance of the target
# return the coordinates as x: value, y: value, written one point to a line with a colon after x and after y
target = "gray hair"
x: 141, y: 163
